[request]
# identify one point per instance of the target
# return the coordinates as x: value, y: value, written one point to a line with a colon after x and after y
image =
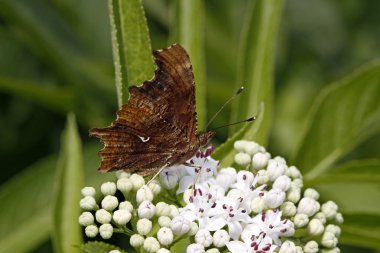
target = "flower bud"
x: 311, y: 193
x: 109, y: 203
x: 136, y: 240
x: 339, y: 218
x: 126, y: 205
x: 275, y: 169
x: 164, y: 221
x: 315, y: 227
x: 288, y: 209
x: 121, y: 174
x: 220, y: 238
x: 293, y: 172
x: 274, y: 198
x: 122, y: 217
x: 108, y: 188
x: 169, y: 178
x: 251, y: 148
x: 88, y: 203
x: 193, y: 229
x: 311, y: 247
x: 114, y: 251
x: 91, y: 231
x: 86, y: 219
x: 226, y: 177
x: 260, y: 160
x: 180, y: 225
x: 329, y: 209
x: 329, y: 240
x: 288, y: 247
x: 263, y: 177
x: 301, y: 220
x: 320, y: 216
x: 334, y: 250
x: 88, y: 191
x: 103, y: 217
x: 258, y: 204
x: 240, y: 145
x: 280, y: 159
x: 333, y: 229
x: 144, y: 226
x: 195, y: 248
x: 165, y: 236
x: 308, y: 206
x: 144, y: 193
x: 242, y: 159
x: 297, y: 184
x: 293, y: 195
x: 124, y: 185
x: 212, y: 250
x: 203, y: 237
x: 299, y: 249
x: 106, y: 231
x: 173, y: 211
x: 151, y: 245
x: 163, y: 250
x: 282, y: 183
x: 137, y: 181
x: 155, y: 187
x: 162, y: 209
x: 146, y: 210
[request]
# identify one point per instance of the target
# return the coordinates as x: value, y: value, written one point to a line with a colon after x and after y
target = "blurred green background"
x: 56, y: 57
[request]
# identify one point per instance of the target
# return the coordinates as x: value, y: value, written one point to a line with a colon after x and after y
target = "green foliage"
x: 99, y: 247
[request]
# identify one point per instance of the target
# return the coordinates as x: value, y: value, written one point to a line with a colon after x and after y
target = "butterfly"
x: 157, y: 127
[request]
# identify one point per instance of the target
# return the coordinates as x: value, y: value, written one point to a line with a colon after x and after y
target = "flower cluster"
x: 256, y: 206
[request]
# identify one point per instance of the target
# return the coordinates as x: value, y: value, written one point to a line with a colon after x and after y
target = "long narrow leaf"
x: 69, y: 180
x: 189, y: 31
x: 131, y: 45
x: 344, y: 114
x: 256, y: 62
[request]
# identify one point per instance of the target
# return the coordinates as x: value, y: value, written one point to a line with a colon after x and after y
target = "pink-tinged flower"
x: 252, y: 244
x: 271, y: 225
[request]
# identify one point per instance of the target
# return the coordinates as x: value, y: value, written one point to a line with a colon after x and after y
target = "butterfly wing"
x: 158, y: 121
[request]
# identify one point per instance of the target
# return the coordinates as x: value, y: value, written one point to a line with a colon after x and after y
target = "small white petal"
x: 258, y: 204
x: 237, y: 247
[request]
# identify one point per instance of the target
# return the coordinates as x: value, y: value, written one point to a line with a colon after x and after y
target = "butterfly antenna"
x: 235, y: 123
x: 224, y: 105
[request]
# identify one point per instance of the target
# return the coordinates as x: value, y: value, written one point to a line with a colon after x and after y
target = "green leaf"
x: 225, y: 152
x: 189, y: 32
x: 344, y: 114
x: 51, y: 97
x: 256, y: 63
x: 68, y: 183
x: 23, y: 229
x: 131, y: 45
x: 361, y: 230
x: 99, y: 247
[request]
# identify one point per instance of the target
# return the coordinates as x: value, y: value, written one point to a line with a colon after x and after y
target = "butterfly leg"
x: 158, y: 172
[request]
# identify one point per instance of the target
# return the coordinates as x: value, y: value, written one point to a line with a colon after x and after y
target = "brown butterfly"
x: 157, y: 127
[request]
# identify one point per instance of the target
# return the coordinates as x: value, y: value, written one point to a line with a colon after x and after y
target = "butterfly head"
x: 204, y: 138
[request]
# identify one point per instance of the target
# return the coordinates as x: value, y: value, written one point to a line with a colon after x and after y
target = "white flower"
x: 193, y: 229
x: 258, y: 204
x: 103, y: 216
x: 162, y: 209
x: 246, y: 183
x: 315, y: 227
x: 301, y: 220
x: 124, y: 185
x: 297, y: 183
x: 293, y: 195
x: 109, y: 202
x: 163, y: 250
x: 333, y: 229
x: 274, y: 198
x: 173, y: 211
x: 126, y: 205
x: 242, y: 159
x: 144, y: 226
x: 293, y: 172
x: 282, y: 183
x: 122, y: 216
x: 240, y: 145
x: 263, y: 177
x: 288, y: 247
x: 136, y: 240
x: 151, y: 245
x: 275, y: 169
x: 311, y: 193
x: 144, y: 193
x: 308, y: 206
x: 169, y: 177
x: 321, y: 216
x: 288, y: 209
x: 146, y: 209
x: 137, y: 181
x: 91, y: 231
x: 311, y: 247
x: 251, y: 147
x: 252, y: 244
x: 106, y: 231
x: 88, y: 203
x: 164, y: 221
x: 155, y: 187
x: 108, y: 188
x: 195, y: 248
x: 203, y: 237
x: 329, y: 209
x: 212, y: 250
x: 180, y: 225
x: 329, y: 240
x: 121, y: 174
x: 260, y: 160
x: 220, y: 238
x: 339, y: 218
x: 88, y: 191
x: 165, y: 236
x: 86, y: 219
x: 226, y: 177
